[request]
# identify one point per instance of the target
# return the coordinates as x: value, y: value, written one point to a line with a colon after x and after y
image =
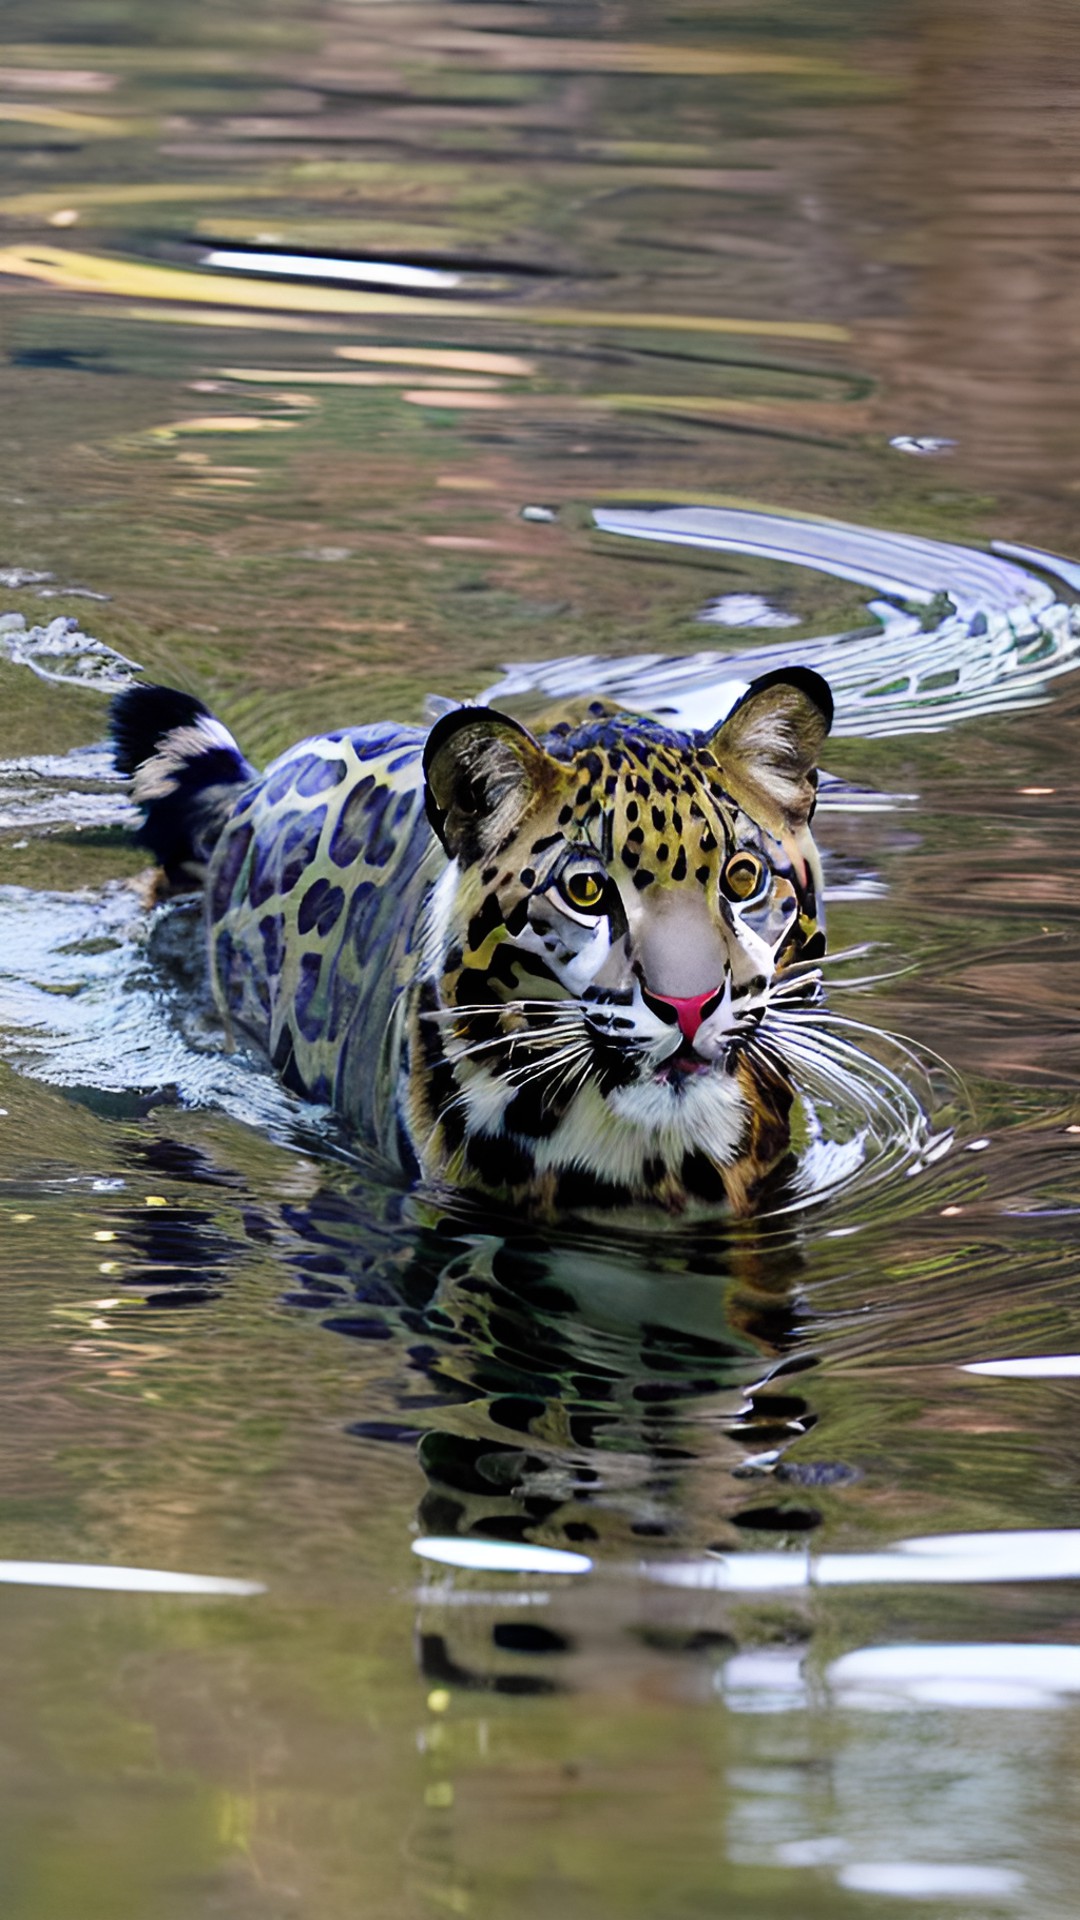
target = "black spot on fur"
x: 443, y: 1092
x: 320, y: 907
x: 316, y: 775
x: 498, y: 1160
x: 485, y: 921
x: 613, y: 1065
x: 431, y: 1047
x: 363, y: 914
x: 702, y: 1178
x: 382, y: 837
x: 531, y: 1113
x: 228, y: 872
x: 299, y: 847
x: 578, y: 1188
x: 270, y: 930
x: 441, y: 1085
x: 472, y: 991
x: 505, y: 962
x: 309, y: 1010
x: 350, y: 834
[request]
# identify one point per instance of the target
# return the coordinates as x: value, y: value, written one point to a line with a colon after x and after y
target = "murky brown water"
x: 729, y: 258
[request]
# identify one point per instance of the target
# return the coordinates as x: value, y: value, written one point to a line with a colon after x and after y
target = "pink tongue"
x: 689, y: 1012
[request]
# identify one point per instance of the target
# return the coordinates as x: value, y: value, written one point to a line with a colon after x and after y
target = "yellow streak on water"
x: 506, y: 363
x: 220, y: 423
x: 94, y: 126
x: 113, y: 193
x: 88, y: 273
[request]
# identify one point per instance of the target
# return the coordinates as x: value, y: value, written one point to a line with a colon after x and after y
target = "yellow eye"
x: 584, y: 889
x: 744, y: 878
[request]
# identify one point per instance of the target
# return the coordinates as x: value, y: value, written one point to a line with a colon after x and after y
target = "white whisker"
x: 843, y: 1066
x: 825, y: 1019
x: 466, y: 1050
x: 554, y: 1009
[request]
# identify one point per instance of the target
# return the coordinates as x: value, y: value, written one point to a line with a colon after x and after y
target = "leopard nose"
x: 688, y: 1012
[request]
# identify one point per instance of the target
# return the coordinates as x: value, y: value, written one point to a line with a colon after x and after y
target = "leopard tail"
x: 185, y: 770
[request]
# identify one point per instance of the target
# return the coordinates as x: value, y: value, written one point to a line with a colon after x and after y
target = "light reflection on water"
x: 641, y: 258
x: 939, y: 1561
x: 57, y: 1573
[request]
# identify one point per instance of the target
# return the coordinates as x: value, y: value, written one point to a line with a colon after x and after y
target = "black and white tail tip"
x: 184, y: 767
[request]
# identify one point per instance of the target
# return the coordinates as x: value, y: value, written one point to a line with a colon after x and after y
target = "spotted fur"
x: 542, y: 968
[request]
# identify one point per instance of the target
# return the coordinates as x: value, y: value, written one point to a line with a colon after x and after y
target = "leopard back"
x: 313, y: 897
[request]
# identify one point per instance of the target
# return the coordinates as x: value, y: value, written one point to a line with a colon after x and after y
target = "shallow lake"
x: 359, y: 352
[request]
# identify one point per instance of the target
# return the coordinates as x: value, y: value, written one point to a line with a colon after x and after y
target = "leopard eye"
x: 745, y: 878
x: 583, y: 889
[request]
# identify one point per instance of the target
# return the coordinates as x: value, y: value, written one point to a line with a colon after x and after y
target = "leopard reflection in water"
x: 555, y: 1389
x: 563, y: 1390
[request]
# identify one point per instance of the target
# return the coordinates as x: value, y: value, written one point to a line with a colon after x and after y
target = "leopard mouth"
x: 682, y: 1066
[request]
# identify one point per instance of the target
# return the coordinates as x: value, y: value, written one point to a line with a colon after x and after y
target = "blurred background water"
x: 341, y: 347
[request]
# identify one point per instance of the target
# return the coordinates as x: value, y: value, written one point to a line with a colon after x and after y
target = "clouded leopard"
x: 555, y: 969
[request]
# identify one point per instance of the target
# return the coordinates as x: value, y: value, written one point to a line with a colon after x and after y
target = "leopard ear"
x: 768, y: 746
x: 481, y: 771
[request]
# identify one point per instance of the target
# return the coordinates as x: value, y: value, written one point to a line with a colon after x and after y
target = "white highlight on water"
x: 988, y: 1675
x: 79, y: 1574
x: 500, y: 1556
x: 966, y: 1559
x: 1035, y: 1366
x: 387, y: 273
x: 931, y: 1880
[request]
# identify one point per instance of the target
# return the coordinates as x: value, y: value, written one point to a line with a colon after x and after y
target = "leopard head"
x: 621, y: 906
